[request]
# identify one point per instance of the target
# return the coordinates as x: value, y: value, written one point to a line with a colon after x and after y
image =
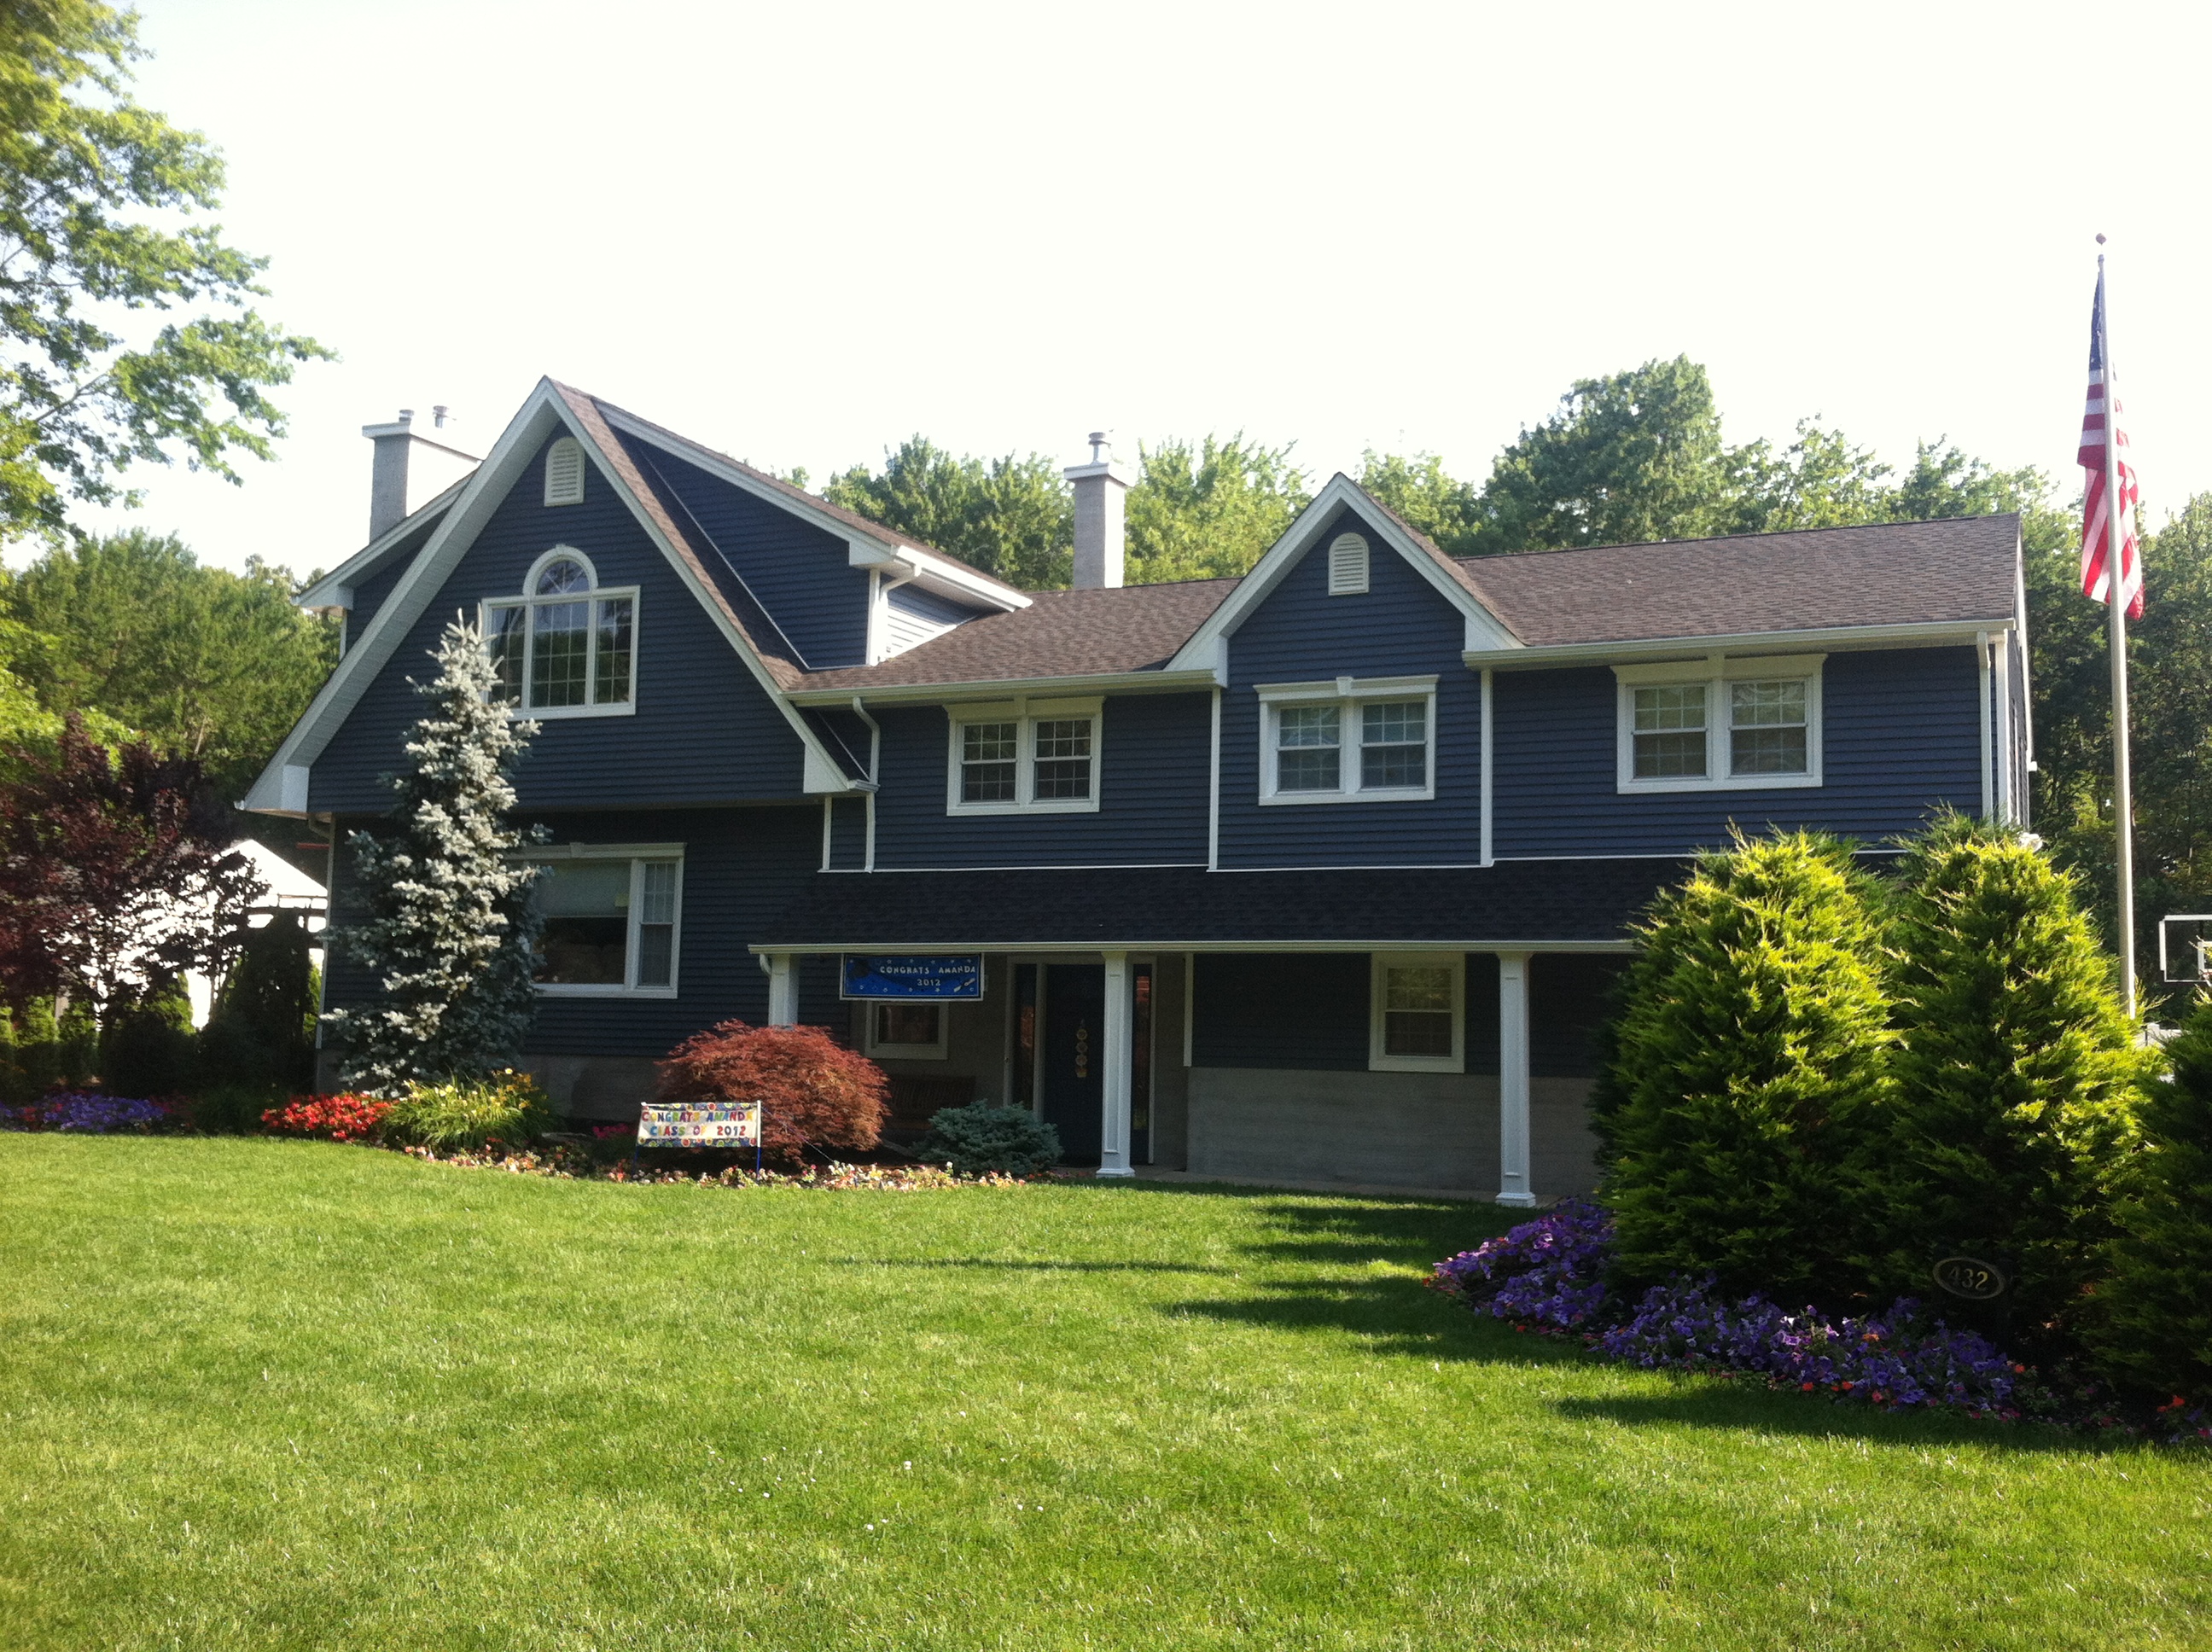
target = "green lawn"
x: 263, y: 1394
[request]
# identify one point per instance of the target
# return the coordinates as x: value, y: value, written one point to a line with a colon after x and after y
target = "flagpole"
x: 2116, y: 602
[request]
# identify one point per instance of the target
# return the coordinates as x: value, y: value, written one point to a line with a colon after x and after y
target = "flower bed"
x: 346, y: 1117
x: 574, y: 1164
x: 92, y: 1115
x: 1549, y: 1276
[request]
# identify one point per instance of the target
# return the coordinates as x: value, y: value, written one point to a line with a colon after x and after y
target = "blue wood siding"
x: 369, y: 594
x: 928, y: 606
x: 801, y: 573
x: 704, y: 729
x: 848, y: 834
x: 1901, y: 736
x: 1153, y: 763
x: 1401, y: 626
x: 740, y: 866
x: 1292, y: 1010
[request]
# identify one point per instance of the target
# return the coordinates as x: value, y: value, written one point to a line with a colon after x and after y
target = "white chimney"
x: 1099, y: 486
x: 409, y: 469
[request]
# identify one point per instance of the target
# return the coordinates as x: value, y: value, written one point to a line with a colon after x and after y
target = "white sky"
x: 800, y: 232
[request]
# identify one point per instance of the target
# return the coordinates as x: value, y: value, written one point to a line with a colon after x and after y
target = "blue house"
x: 1321, y: 874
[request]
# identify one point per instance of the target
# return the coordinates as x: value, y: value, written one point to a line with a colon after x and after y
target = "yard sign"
x: 738, y: 1125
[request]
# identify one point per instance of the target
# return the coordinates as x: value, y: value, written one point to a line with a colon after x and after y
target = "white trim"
x: 335, y: 588
x: 1025, y: 715
x: 1378, y: 1058
x: 1213, y: 791
x: 483, y: 492
x: 931, y: 1052
x: 2009, y: 812
x: 866, y: 547
x: 1937, y: 634
x: 1484, y: 629
x: 938, y: 694
x: 1513, y: 1169
x: 639, y: 855
x: 1715, y: 672
x: 829, y: 805
x: 593, y: 594
x: 782, y: 990
x: 1489, y: 850
x: 1353, y: 692
x: 1348, y: 565
x: 1989, y: 743
x: 1091, y: 946
x: 1118, y: 1056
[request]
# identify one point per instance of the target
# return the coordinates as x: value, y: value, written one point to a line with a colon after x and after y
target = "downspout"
x: 875, y: 763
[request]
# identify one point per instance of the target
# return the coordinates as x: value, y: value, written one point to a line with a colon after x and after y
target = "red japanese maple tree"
x: 116, y: 874
x: 814, y: 1093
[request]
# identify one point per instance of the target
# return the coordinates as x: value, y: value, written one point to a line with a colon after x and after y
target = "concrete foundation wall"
x: 1381, y: 1129
x: 595, y: 1089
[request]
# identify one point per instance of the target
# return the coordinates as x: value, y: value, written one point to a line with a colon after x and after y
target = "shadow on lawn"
x: 1716, y: 1403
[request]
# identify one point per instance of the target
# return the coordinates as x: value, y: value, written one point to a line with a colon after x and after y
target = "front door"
x: 1075, y: 1056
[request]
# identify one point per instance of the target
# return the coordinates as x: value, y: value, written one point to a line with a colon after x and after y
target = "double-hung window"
x: 1419, y: 1012
x: 567, y: 646
x: 1722, y: 724
x: 611, y: 917
x: 1016, y: 755
x: 1348, y: 740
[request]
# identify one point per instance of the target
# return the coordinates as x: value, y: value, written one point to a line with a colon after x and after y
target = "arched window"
x: 564, y: 472
x: 567, y: 646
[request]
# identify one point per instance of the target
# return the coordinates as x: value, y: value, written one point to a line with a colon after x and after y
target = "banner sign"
x: 695, y: 1126
x: 921, y: 976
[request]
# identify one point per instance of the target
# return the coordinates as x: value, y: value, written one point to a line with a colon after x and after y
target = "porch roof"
x: 1522, y: 905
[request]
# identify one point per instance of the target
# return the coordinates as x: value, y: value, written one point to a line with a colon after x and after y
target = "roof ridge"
x: 1727, y: 538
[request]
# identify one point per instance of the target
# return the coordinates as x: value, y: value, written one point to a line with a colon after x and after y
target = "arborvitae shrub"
x: 2150, y: 1320
x: 815, y: 1093
x: 979, y: 1138
x: 150, y: 1050
x: 2013, y: 1078
x: 262, y: 1028
x: 1747, y: 1072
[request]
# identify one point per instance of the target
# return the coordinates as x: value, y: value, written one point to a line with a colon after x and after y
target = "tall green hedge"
x: 2013, y: 1076
x: 1746, y: 1077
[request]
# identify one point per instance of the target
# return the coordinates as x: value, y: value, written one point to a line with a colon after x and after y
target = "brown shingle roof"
x: 1889, y: 573
x: 1061, y: 633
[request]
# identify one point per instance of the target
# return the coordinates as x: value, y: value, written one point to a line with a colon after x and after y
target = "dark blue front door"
x: 1075, y: 1056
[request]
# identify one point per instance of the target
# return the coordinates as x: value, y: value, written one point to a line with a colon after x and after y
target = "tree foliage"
x: 816, y: 1095
x: 1012, y: 517
x: 2014, y: 1075
x: 1203, y: 510
x: 116, y: 875
x: 211, y: 664
x: 449, y: 930
x: 96, y: 193
x: 1748, y: 1070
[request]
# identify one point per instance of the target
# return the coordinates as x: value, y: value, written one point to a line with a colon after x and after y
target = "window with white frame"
x: 612, y: 919
x: 567, y: 646
x: 911, y: 1031
x: 1017, y: 755
x: 1348, y: 740
x: 1722, y: 723
x: 1419, y: 1012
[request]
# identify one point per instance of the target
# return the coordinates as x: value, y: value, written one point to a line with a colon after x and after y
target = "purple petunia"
x: 92, y: 1115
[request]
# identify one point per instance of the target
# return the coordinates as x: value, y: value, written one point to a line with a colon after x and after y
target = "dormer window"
x: 567, y: 646
x: 564, y: 472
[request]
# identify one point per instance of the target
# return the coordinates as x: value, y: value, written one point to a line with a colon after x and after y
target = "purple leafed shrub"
x: 93, y: 1114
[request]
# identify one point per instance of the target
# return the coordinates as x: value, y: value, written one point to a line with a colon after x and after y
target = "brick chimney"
x: 1099, y: 538
x: 409, y: 469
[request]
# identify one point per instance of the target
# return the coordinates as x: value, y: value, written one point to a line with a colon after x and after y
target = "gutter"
x: 1963, y: 633
x: 1005, y: 688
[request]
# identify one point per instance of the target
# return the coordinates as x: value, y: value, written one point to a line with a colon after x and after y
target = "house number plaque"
x: 1970, y: 1278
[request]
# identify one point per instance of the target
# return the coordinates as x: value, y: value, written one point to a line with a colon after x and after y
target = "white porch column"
x: 1513, y: 1187
x: 782, y: 990
x: 1114, y: 1123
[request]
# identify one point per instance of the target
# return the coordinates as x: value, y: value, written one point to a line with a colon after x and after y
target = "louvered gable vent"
x: 564, y: 472
x: 1347, y: 565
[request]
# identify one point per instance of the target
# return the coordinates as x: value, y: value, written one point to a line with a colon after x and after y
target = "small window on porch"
x: 1419, y: 1012
x: 910, y: 1031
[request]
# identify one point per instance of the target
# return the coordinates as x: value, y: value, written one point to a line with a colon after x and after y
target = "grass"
x: 286, y: 1394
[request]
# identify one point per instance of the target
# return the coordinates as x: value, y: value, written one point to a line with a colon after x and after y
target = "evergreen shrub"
x: 2151, y: 1319
x: 262, y: 1028
x: 149, y: 1049
x: 1746, y: 1075
x: 505, y: 1109
x: 814, y: 1094
x: 979, y: 1138
x: 2013, y: 1079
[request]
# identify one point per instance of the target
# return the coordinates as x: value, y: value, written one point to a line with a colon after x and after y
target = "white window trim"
x: 1027, y: 715
x: 936, y: 1052
x: 1717, y: 672
x: 1350, y: 692
x: 637, y: 854
x: 1377, y: 1061
x: 522, y: 710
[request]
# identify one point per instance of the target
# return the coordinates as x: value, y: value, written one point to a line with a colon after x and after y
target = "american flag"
x: 2100, y: 423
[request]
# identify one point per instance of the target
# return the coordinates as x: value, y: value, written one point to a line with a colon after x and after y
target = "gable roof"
x: 1485, y: 629
x: 1960, y: 571
x: 552, y: 408
x: 1087, y: 632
